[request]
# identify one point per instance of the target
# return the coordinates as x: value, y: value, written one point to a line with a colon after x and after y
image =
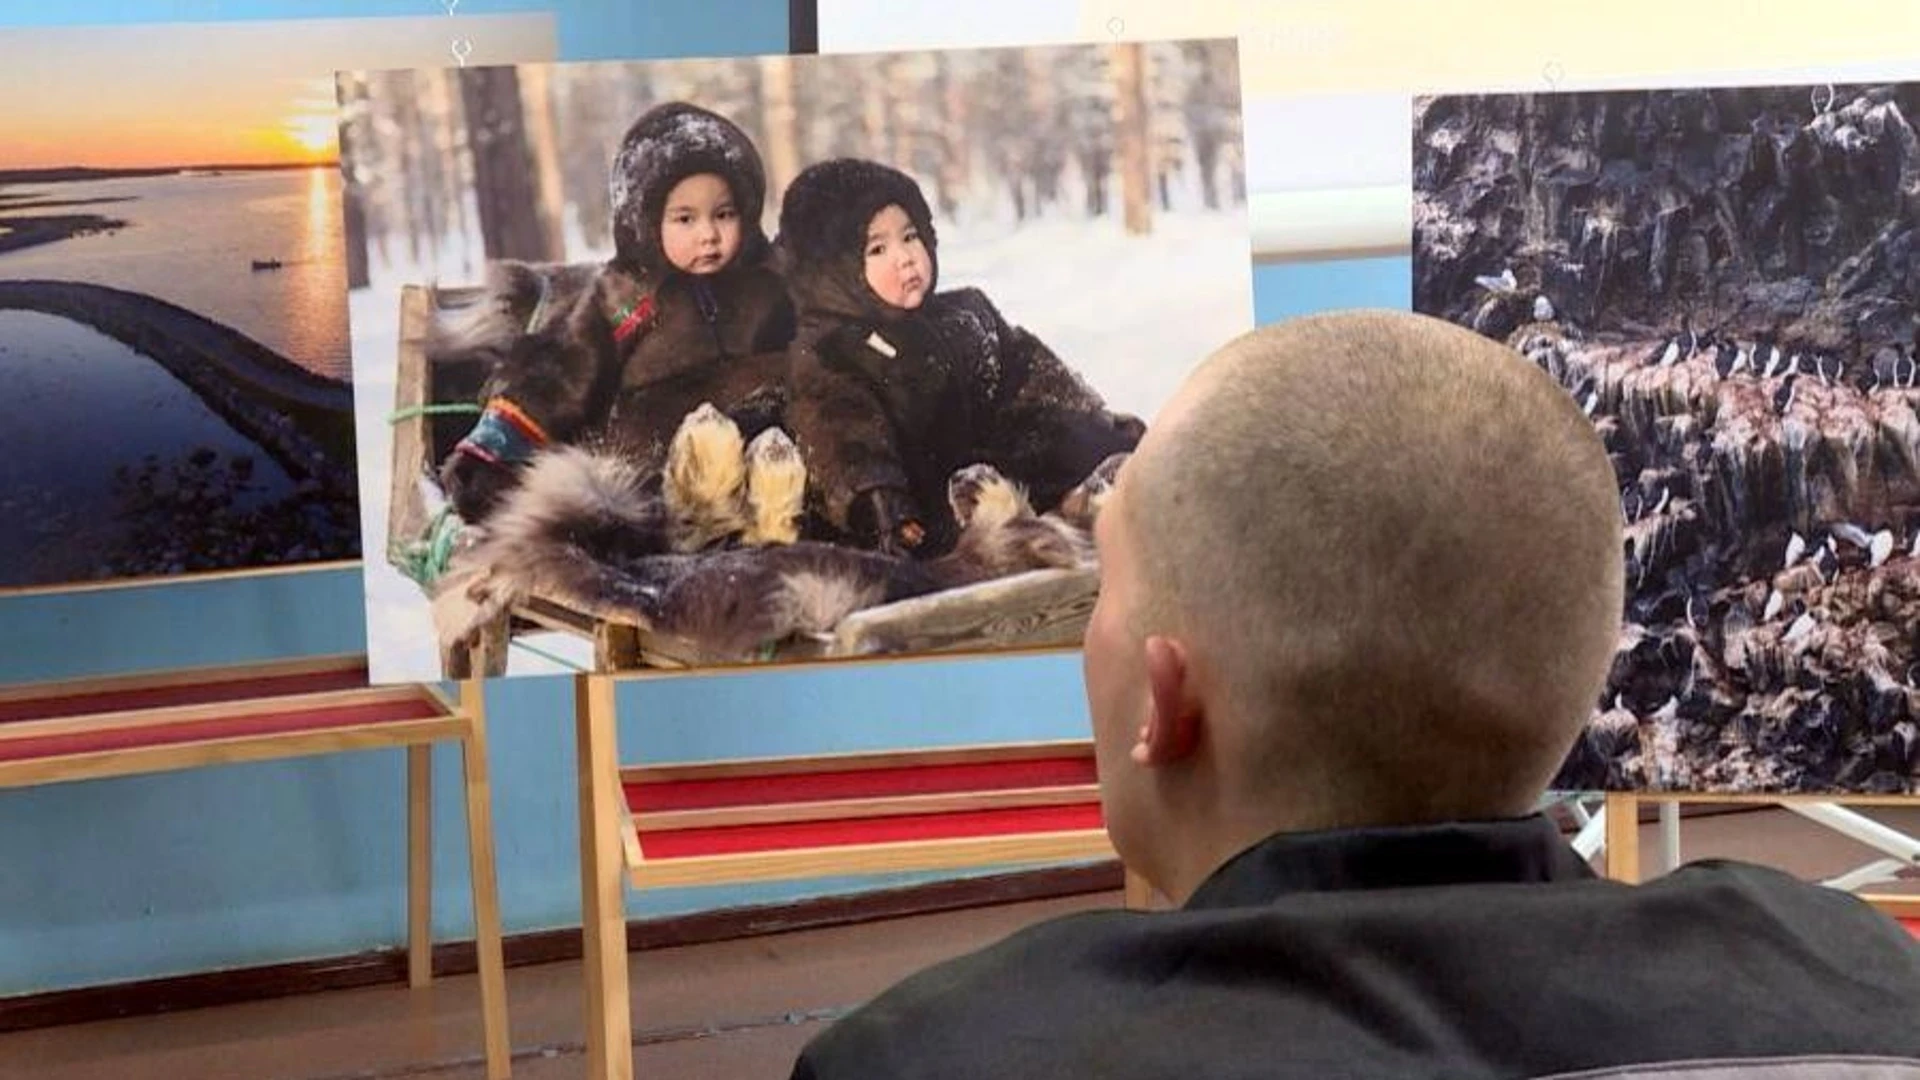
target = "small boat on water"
x: 267, y: 264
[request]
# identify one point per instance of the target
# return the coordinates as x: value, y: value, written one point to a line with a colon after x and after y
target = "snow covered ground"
x: 1132, y: 314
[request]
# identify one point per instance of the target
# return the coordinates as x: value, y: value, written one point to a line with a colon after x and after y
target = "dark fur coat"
x: 616, y: 355
x: 892, y: 401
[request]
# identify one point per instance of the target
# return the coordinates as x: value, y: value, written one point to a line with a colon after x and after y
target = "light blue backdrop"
x: 143, y: 877
x: 589, y: 29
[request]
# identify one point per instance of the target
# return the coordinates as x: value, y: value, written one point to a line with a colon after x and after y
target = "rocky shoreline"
x: 186, y: 516
x: 18, y: 233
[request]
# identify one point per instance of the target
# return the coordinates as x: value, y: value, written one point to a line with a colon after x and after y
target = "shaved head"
x: 1391, y: 550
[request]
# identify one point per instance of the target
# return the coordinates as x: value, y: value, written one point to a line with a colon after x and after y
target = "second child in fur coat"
x: 895, y: 385
x: 689, y: 310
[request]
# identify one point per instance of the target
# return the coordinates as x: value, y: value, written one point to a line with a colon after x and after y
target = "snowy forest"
x: 1006, y: 135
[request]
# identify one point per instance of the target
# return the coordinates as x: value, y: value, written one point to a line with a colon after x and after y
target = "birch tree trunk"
x: 780, y: 106
x: 511, y: 225
x: 354, y: 143
x: 1133, y: 142
x: 536, y: 102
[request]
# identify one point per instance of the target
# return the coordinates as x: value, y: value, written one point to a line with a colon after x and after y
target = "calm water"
x: 191, y: 241
x: 77, y: 405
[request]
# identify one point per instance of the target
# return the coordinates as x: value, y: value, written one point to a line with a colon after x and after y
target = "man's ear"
x: 1174, y: 713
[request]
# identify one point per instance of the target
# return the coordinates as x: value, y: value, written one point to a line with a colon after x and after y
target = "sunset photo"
x: 173, y: 289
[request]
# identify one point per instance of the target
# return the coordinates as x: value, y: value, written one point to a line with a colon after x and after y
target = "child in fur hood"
x: 895, y: 385
x: 689, y: 310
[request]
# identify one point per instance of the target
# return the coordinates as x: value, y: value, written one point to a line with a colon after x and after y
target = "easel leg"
x: 609, y: 1020
x: 1623, y: 837
x: 419, y: 864
x: 1669, y: 836
x: 486, y: 894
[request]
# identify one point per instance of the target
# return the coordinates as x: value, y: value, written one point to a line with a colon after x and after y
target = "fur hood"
x: 665, y: 146
x: 821, y: 249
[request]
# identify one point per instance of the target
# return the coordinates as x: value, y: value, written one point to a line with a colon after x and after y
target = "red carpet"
x: 231, y: 727
x: 160, y: 697
x: 879, y: 781
x: 868, y: 783
x: 788, y: 836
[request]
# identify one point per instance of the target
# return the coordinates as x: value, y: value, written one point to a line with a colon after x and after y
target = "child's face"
x: 898, y: 266
x: 700, y: 230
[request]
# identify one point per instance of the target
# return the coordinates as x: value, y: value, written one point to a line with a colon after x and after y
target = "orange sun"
x: 314, y: 132
x: 312, y: 121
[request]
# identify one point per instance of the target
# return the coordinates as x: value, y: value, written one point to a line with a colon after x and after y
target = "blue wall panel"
x: 140, y: 877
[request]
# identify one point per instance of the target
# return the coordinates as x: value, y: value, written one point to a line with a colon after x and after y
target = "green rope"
x: 411, y: 411
x: 425, y: 559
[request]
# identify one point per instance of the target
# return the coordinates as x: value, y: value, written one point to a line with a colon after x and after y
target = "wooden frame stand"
x: 781, y: 818
x: 193, y: 718
x: 1623, y: 833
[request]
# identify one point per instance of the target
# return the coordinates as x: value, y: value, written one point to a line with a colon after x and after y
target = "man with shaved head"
x: 1360, y: 586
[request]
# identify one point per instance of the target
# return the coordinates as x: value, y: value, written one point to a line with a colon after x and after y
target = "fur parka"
x: 617, y: 354
x: 887, y: 403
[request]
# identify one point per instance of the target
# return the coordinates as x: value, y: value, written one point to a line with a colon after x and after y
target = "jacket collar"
x: 1520, y: 850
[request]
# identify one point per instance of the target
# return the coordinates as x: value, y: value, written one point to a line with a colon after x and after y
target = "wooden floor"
x: 738, y: 1009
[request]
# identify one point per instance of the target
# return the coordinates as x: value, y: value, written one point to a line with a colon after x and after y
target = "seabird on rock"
x: 1505, y: 283
x: 1914, y: 551
x: 1726, y: 359
x: 1796, y: 547
x: 1826, y: 562
x: 1743, y: 359
x: 1631, y: 504
x: 1542, y: 309
x: 1666, y: 496
x: 1801, y: 627
x: 1880, y: 547
x: 1773, y: 362
x: 1774, y: 603
x: 1820, y: 369
x: 1671, y: 354
x: 1852, y: 534
x: 1783, y: 397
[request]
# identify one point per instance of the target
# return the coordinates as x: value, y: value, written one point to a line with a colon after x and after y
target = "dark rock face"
x: 1728, y: 281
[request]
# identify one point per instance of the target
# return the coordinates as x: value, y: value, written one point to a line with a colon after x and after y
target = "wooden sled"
x: 1038, y: 610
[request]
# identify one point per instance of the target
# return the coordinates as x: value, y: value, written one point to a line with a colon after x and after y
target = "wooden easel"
x: 993, y: 805
x: 194, y: 718
x: 1623, y: 832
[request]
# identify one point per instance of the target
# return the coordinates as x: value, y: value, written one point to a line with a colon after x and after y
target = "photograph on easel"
x: 697, y: 363
x: 1725, y: 280
x: 173, y: 305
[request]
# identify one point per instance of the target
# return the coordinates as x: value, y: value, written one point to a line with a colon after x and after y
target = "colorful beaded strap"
x: 504, y: 435
x: 632, y: 318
